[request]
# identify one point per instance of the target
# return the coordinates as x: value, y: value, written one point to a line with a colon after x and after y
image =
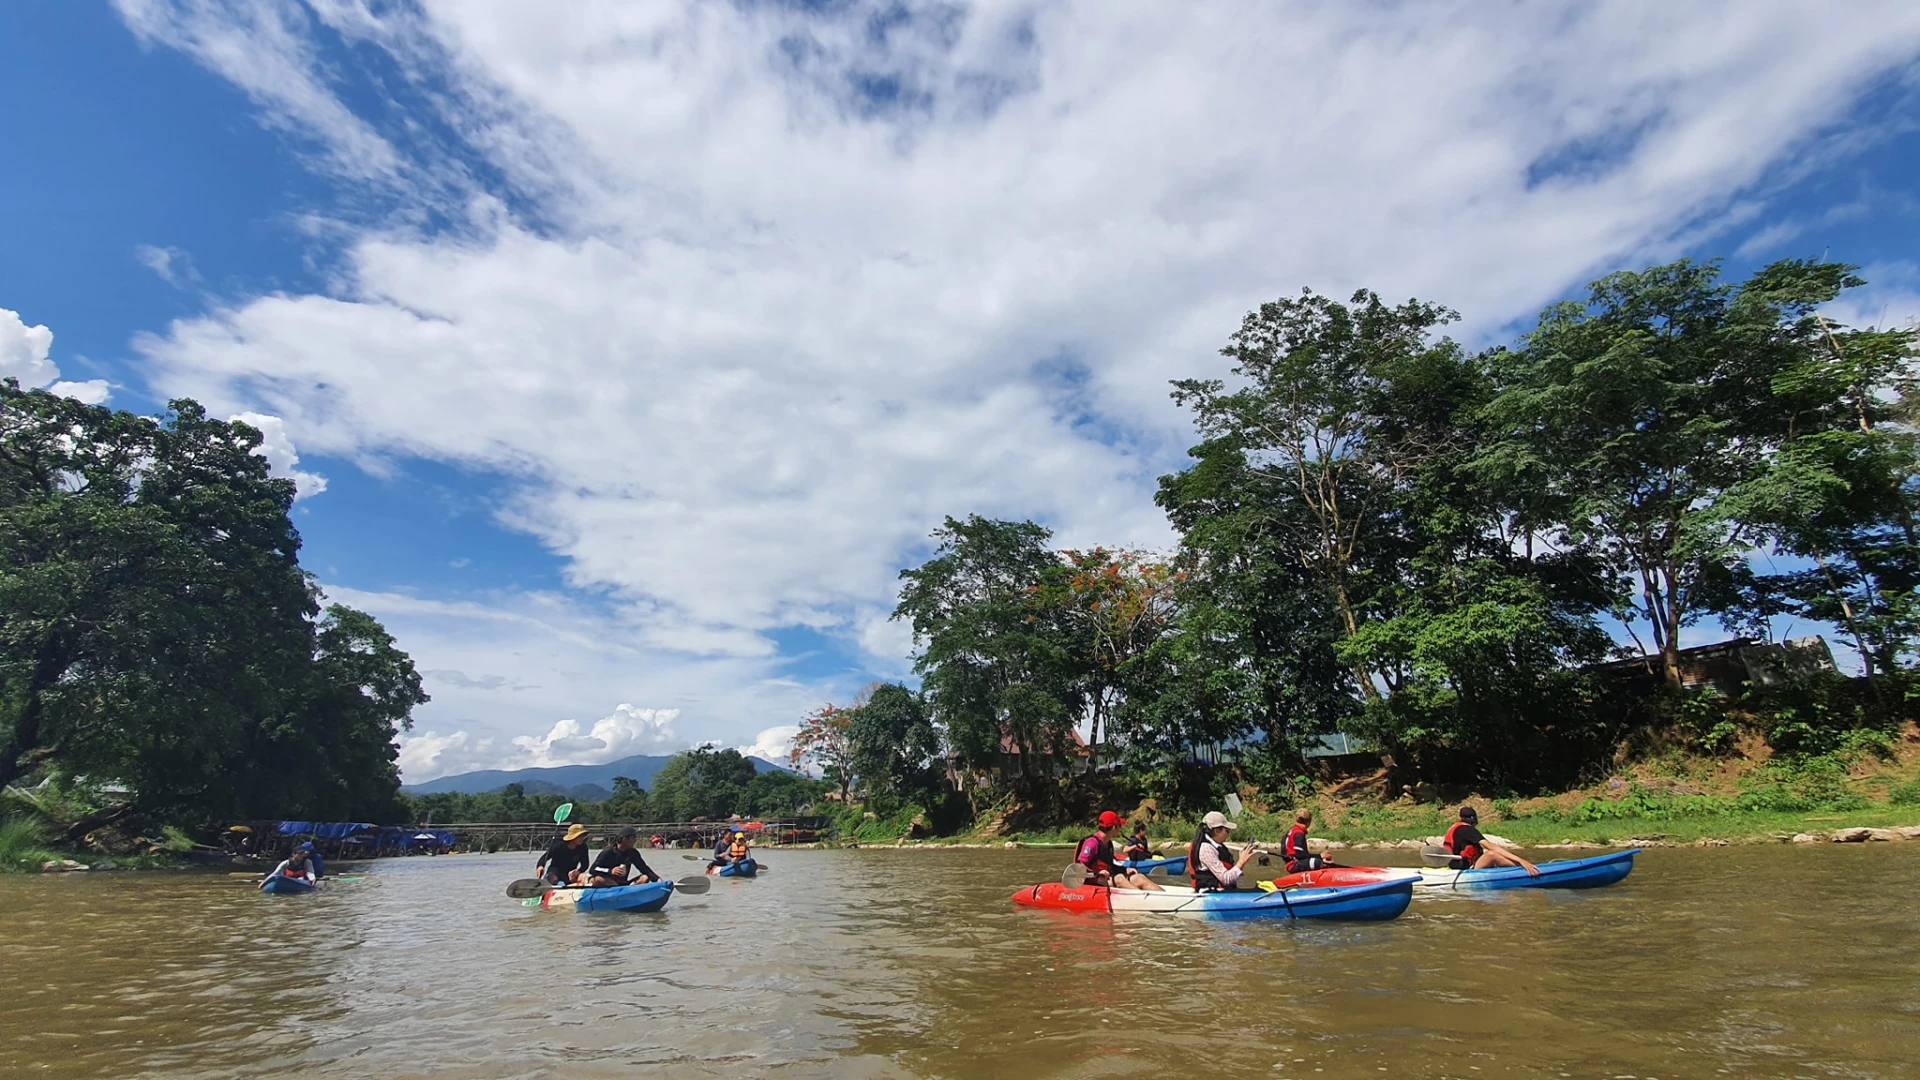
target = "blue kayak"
x: 649, y: 897
x: 1593, y: 873
x: 286, y: 886
x: 739, y: 868
x: 1174, y: 866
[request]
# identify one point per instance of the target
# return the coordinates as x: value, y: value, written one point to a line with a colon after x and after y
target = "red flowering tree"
x: 823, y: 740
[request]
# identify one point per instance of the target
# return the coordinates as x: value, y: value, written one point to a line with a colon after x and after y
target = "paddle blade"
x: 527, y: 888
x: 1073, y: 876
x: 562, y: 812
x: 692, y: 886
x: 1234, y: 809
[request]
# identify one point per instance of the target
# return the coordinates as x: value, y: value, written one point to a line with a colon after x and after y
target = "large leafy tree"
x: 995, y: 661
x: 156, y: 629
x: 1116, y: 603
x: 1648, y: 417
x: 892, y: 742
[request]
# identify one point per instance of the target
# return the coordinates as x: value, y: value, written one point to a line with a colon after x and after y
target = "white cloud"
x: 775, y: 744
x: 277, y: 447
x: 739, y: 331
x: 625, y: 732
x: 499, y: 665
x: 170, y: 264
x: 23, y: 356
x: 1889, y: 300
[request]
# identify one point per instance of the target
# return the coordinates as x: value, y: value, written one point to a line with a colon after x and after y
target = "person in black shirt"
x: 565, y: 862
x: 1473, y: 851
x: 1137, y: 846
x: 620, y: 864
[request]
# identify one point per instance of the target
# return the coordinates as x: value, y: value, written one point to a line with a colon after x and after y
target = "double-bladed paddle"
x: 528, y: 888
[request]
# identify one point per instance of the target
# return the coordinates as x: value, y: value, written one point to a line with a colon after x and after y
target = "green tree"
x: 156, y: 628
x: 892, y: 742
x: 994, y: 661
x: 627, y: 803
x: 1646, y: 416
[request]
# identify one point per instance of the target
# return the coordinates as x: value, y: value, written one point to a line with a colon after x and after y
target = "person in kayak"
x: 1137, y: 846
x: 1103, y: 867
x: 1473, y: 851
x: 314, y: 860
x: 1294, y: 848
x: 294, y: 868
x: 565, y: 861
x: 619, y: 863
x: 1208, y: 865
x: 731, y: 849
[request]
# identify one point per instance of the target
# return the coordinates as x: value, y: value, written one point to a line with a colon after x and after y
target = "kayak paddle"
x: 1074, y: 876
x: 562, y: 812
x: 528, y: 888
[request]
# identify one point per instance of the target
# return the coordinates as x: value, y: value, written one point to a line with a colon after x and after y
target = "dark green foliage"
x: 994, y: 661
x: 706, y: 783
x: 156, y: 630
x: 895, y: 750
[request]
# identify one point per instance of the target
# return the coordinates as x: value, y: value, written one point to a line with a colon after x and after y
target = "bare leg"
x: 1499, y: 856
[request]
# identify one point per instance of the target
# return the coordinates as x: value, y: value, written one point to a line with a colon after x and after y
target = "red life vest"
x: 1472, y: 852
x: 1096, y: 854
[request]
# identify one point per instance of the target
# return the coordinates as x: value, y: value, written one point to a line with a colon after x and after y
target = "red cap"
x: 1111, y: 820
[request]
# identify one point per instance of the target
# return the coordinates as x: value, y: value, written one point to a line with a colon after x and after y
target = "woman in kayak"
x: 1294, y: 848
x: 619, y: 863
x: 295, y: 868
x: 1208, y: 855
x: 565, y: 862
x: 1473, y: 851
x: 1103, y: 867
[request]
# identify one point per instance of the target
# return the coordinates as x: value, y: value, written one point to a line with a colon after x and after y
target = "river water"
x: 1750, y: 962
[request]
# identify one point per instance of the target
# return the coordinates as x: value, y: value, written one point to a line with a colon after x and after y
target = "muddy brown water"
x: 1751, y: 962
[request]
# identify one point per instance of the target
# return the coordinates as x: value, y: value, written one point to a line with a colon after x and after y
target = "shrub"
x: 22, y: 844
x: 1907, y: 794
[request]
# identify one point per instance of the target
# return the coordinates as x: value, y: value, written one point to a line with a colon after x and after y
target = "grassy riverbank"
x: 26, y: 845
x: 1666, y: 799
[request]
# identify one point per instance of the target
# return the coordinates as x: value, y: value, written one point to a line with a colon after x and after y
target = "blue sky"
x: 624, y: 359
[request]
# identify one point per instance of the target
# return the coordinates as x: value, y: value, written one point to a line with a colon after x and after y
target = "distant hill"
x: 584, y: 782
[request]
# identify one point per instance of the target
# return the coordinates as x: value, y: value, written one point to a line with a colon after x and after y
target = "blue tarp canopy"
x: 324, y: 830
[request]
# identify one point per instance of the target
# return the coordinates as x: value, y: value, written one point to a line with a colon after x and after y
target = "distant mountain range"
x: 584, y: 782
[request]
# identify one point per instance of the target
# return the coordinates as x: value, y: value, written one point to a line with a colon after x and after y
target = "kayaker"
x: 1207, y: 865
x: 295, y: 867
x: 1473, y: 851
x: 314, y: 860
x: 720, y: 849
x: 1137, y: 846
x: 1103, y: 867
x: 565, y: 861
x: 1294, y: 850
x: 738, y: 849
x: 619, y: 863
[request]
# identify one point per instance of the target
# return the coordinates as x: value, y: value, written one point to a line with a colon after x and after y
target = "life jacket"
x: 737, y: 850
x: 1472, y: 852
x: 1098, y: 861
x: 1300, y: 858
x: 1203, y: 878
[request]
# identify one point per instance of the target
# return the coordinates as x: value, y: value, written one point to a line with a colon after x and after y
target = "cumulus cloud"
x: 277, y: 447
x: 501, y: 664
x: 774, y: 744
x: 23, y: 356
x: 750, y: 296
x: 623, y: 733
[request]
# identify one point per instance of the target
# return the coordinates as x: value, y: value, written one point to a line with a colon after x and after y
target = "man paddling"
x: 565, y: 862
x: 1473, y: 851
x: 295, y: 868
x: 1103, y: 867
x: 619, y: 863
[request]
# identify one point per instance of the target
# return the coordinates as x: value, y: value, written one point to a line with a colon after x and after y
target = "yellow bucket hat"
x: 575, y: 832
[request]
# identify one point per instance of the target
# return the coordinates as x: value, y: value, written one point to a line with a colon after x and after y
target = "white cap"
x: 1217, y: 820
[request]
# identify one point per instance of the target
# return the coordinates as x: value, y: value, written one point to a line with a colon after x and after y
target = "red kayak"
x: 1334, y: 876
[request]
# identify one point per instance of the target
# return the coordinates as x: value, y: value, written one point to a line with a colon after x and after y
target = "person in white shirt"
x: 1207, y: 857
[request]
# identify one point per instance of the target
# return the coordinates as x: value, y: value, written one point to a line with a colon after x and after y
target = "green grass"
x: 23, y: 845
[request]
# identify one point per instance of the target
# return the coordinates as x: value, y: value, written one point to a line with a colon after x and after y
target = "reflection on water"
x: 1765, y: 962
